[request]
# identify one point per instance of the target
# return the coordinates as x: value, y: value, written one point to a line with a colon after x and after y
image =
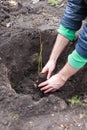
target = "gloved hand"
x: 49, y: 67
x: 52, y: 84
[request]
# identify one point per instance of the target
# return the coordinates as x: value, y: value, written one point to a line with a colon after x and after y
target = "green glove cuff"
x: 69, y: 34
x: 76, y: 60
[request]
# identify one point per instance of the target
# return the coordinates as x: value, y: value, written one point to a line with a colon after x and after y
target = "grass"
x: 74, y: 100
x: 54, y: 2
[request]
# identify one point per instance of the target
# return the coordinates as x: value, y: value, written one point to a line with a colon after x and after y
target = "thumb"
x: 44, y: 70
x: 49, y: 74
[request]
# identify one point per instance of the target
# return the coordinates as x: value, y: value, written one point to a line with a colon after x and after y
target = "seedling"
x: 40, y: 55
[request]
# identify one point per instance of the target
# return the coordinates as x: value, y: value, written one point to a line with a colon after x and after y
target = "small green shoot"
x: 54, y: 2
x: 40, y: 55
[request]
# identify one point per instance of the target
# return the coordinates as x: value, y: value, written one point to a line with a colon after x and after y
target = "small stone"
x: 55, y: 108
x: 35, y: 85
x: 35, y: 1
x: 8, y: 25
x: 52, y: 115
x: 31, y: 123
x: 12, y: 3
x: 82, y: 116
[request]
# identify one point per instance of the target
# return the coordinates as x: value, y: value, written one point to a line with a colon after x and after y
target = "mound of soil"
x: 22, y: 106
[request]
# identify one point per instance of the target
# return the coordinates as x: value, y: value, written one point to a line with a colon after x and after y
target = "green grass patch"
x: 74, y: 100
x: 54, y: 2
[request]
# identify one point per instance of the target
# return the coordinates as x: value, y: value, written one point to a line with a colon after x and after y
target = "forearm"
x: 60, y: 44
x: 67, y: 71
x: 58, y: 80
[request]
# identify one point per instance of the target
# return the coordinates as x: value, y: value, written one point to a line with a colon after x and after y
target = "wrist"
x: 67, y: 71
x: 63, y: 76
x: 52, y: 60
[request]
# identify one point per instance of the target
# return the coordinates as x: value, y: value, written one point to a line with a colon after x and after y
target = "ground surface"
x: 22, y: 106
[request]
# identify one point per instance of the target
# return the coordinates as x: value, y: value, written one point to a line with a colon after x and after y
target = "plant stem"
x: 40, y: 56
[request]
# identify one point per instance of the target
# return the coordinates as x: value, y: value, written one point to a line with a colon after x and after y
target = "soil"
x: 22, y: 105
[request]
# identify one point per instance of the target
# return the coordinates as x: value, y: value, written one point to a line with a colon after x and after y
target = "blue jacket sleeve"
x: 81, y: 46
x: 76, y: 11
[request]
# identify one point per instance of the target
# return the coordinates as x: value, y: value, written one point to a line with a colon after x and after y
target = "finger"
x: 49, y: 74
x: 45, y: 88
x: 53, y: 90
x: 44, y: 70
x: 43, y: 84
x: 48, y: 90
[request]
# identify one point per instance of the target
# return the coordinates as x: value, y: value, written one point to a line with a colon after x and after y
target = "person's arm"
x: 74, y: 14
x: 59, y: 79
x: 65, y: 35
x: 71, y: 21
x: 73, y: 65
x: 67, y: 71
x: 60, y: 44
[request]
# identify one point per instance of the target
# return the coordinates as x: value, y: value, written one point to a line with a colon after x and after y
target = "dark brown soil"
x: 22, y: 105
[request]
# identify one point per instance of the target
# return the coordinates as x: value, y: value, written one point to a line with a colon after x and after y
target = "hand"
x: 52, y: 84
x: 49, y: 67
